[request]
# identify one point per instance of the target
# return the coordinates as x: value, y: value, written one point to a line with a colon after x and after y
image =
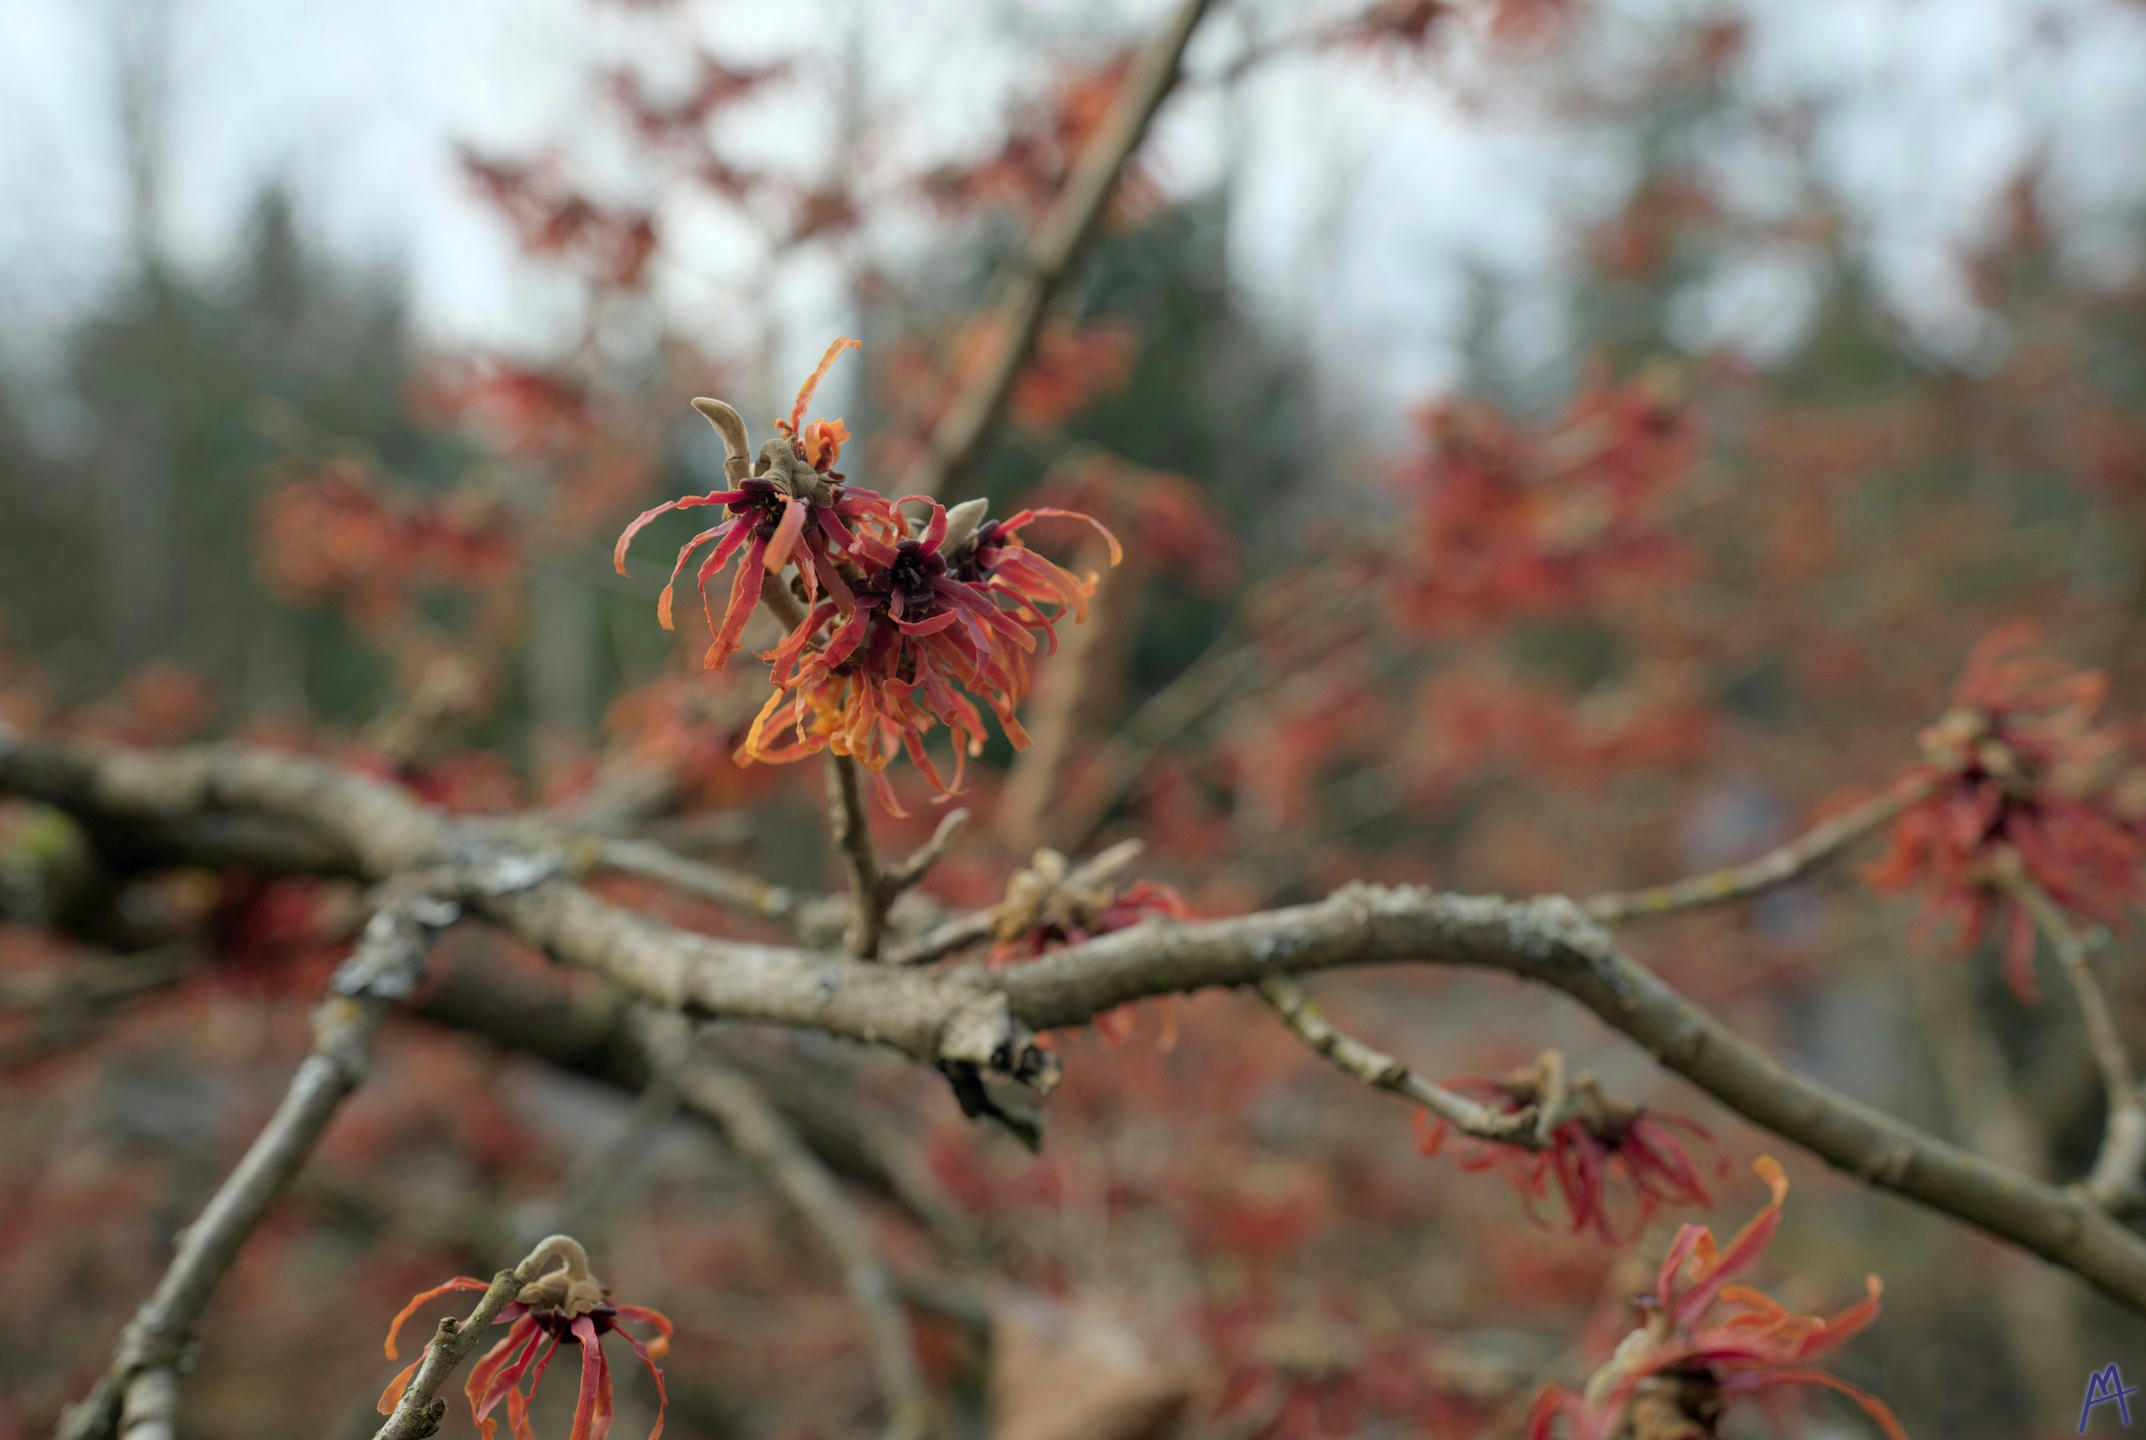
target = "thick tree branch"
x: 964, y: 432
x: 963, y: 1017
x: 1821, y: 843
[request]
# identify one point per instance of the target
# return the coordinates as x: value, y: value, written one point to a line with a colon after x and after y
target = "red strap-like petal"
x: 595, y: 1384
x: 784, y: 540
x: 812, y: 381
x: 642, y: 1315
x: 640, y: 521
x: 425, y: 1297
x: 648, y: 1357
x: 392, y: 1396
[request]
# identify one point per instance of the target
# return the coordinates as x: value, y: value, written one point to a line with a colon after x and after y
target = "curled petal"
x: 648, y: 1354
x: 1117, y: 551
x: 660, y: 1346
x: 423, y: 1298
x: 812, y: 381
x: 392, y: 1396
x: 1879, y: 1412
x: 640, y: 521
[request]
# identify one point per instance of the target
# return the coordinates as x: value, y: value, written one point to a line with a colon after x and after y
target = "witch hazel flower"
x: 1593, y: 1149
x: 787, y: 505
x: 907, y: 616
x: 2024, y: 787
x: 563, y: 1306
x: 922, y: 628
x: 1705, y: 1344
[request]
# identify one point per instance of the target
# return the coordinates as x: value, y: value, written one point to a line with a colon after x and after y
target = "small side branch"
x: 897, y: 880
x: 765, y: 1141
x: 1798, y: 857
x: 2114, y: 1181
x: 852, y: 833
x: 731, y: 889
x: 137, y: 1396
x: 1381, y: 1071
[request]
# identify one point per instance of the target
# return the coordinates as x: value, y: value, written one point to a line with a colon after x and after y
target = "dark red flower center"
x: 559, y: 1324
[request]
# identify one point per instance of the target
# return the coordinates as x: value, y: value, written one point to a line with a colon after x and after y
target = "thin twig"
x: 846, y: 818
x: 2114, y: 1181
x: 1799, y: 856
x: 764, y: 1140
x: 958, y: 933
x: 964, y: 432
x: 731, y: 889
x: 1382, y: 1072
x: 136, y: 1396
x: 852, y: 834
x: 1192, y: 695
x: 897, y: 880
x: 418, y: 1413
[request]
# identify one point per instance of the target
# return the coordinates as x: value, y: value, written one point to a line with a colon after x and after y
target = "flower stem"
x: 1822, y: 842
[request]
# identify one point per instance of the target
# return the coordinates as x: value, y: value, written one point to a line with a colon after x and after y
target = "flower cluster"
x: 564, y: 1305
x: 2024, y: 788
x: 1705, y: 1342
x: 1591, y: 1143
x: 1513, y: 521
x: 337, y: 535
x: 900, y: 623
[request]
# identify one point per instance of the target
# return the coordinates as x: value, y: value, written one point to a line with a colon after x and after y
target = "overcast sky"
x: 1369, y: 191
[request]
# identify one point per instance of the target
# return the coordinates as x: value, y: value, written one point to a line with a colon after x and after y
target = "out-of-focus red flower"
x: 681, y: 726
x: 1705, y: 1342
x: 2023, y: 777
x: 1594, y: 1148
x: 1039, y: 153
x: 551, y: 217
x: 679, y: 119
x: 338, y: 535
x: 524, y: 411
x: 1512, y: 521
x: 1166, y: 519
x: 1048, y: 904
x: 1068, y: 368
x: 565, y: 1305
x: 1408, y: 24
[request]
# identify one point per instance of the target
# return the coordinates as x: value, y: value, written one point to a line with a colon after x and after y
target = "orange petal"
x: 392, y: 1396
x: 424, y: 1297
x: 812, y: 382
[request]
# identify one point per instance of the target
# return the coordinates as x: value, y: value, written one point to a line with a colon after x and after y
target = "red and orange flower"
x: 1706, y: 1342
x: 2024, y: 785
x: 907, y: 623
x: 1594, y: 1148
x: 790, y: 505
x: 565, y: 1305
